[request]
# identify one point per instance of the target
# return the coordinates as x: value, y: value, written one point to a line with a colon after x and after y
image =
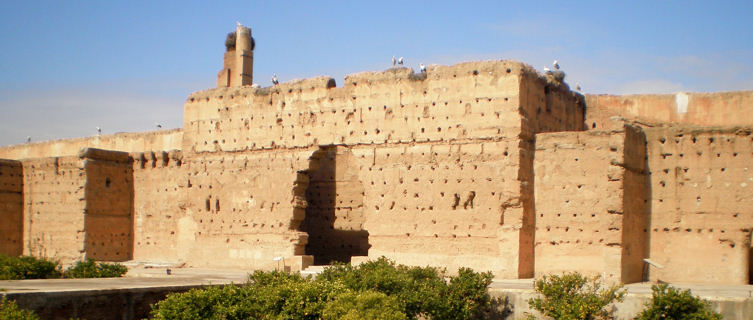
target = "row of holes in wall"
x: 310, y: 118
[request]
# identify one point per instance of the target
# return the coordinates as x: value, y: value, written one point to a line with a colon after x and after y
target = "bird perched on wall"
x: 394, y: 61
x: 158, y: 125
x: 547, y: 71
x: 99, y: 130
x: 28, y: 139
x: 274, y: 79
x: 255, y: 85
x: 577, y: 87
x: 400, y: 61
x: 422, y: 67
x: 556, y: 65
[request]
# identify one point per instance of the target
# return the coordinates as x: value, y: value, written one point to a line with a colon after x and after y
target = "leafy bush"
x: 19, y: 268
x: 9, y: 310
x: 93, y: 269
x: 574, y: 296
x: 368, y: 305
x: 670, y: 303
x: 373, y: 290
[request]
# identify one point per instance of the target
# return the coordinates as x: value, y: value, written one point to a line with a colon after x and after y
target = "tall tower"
x: 238, y: 64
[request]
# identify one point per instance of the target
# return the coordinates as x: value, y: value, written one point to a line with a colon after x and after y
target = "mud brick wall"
x: 160, y: 182
x: 590, y: 209
x: 54, y: 203
x: 384, y: 118
x: 11, y: 207
x: 452, y: 204
x: 703, y: 109
x: 471, y: 100
x: 108, y: 218
x: 240, y: 208
x: 126, y: 142
x: 701, y: 200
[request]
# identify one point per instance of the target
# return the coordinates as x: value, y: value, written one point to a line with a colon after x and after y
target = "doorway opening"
x: 334, y: 217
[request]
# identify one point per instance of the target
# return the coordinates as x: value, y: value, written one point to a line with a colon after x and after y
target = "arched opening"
x: 334, y: 207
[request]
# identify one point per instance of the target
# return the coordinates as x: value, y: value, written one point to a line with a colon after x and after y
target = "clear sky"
x: 67, y: 67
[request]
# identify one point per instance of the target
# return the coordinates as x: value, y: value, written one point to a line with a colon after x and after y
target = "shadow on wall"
x: 334, y: 213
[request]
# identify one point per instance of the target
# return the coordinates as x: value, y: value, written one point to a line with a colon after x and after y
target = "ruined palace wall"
x: 590, y: 213
x: 701, y: 180
x: 54, y: 203
x: 704, y: 109
x: 126, y: 142
x: 469, y: 101
x: 466, y: 101
x: 158, y: 205
x: 108, y: 218
x: 11, y: 207
x: 245, y: 148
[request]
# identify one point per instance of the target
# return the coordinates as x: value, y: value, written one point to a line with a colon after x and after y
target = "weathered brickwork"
x: 590, y: 213
x: 489, y: 165
x: 701, y: 203
x: 54, y: 208
x: 158, y: 201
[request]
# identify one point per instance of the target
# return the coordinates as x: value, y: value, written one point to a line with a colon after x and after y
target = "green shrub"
x: 574, y: 296
x: 368, y: 305
x: 19, y: 268
x: 670, y: 303
x: 210, y: 303
x: 466, y: 294
x: 10, y: 311
x: 419, y: 290
x: 93, y: 269
x: 373, y: 290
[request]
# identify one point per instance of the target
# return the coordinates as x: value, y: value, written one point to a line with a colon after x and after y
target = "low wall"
x: 115, y: 304
x: 126, y: 142
x: 703, y: 109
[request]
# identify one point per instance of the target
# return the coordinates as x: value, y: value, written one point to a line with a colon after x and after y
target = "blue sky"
x: 69, y: 66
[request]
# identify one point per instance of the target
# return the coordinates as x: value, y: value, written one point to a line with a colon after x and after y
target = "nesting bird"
x: 274, y: 79
x: 547, y: 71
x: 422, y: 67
x: 400, y: 61
x: 255, y: 85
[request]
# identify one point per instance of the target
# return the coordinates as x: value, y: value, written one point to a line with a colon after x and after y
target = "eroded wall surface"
x: 588, y: 215
x: 11, y: 207
x: 159, y: 193
x: 108, y: 216
x: 703, y: 109
x: 54, y: 203
x: 701, y: 200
